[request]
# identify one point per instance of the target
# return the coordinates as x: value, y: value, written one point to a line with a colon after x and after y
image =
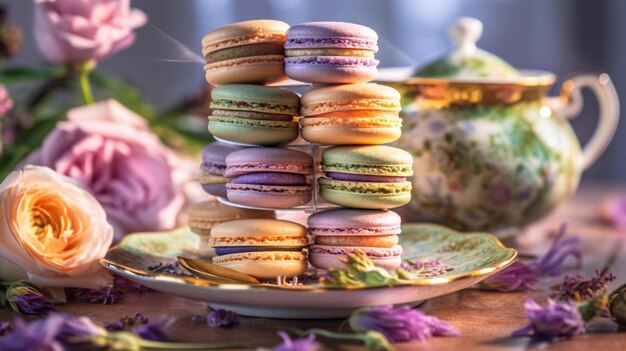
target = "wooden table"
x: 484, y: 318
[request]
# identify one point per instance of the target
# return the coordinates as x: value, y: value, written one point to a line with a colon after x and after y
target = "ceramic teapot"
x: 491, y: 149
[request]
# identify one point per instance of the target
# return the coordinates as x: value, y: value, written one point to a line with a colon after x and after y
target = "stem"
x: 333, y: 335
x: 83, y: 78
x: 188, y: 346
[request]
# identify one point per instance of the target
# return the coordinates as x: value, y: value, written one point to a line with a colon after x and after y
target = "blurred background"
x: 561, y: 36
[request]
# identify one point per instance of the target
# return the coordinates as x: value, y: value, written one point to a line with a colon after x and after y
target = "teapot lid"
x: 465, y: 60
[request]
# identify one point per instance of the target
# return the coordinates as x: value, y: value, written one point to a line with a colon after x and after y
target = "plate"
x: 468, y: 257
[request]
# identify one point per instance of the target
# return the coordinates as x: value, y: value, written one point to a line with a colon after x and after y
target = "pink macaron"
x: 331, y: 52
x: 269, y: 177
x: 339, y: 232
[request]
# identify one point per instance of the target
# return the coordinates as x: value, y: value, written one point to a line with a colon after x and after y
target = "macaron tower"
x: 361, y: 174
x: 247, y: 165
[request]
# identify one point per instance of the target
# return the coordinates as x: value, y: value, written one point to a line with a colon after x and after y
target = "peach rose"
x: 52, y: 232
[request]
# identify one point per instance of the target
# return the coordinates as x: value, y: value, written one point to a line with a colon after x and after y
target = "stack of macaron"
x: 343, y: 109
x: 360, y: 173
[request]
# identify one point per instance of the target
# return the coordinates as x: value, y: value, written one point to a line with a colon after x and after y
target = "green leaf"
x: 124, y: 92
x: 19, y: 74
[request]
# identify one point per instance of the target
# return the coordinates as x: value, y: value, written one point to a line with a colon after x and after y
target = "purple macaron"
x: 331, y: 53
x: 213, y: 166
x: 269, y: 177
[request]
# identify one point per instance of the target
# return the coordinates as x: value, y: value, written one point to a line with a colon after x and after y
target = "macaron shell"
x: 260, y: 228
x: 328, y: 34
x: 387, y: 258
x: 346, y: 221
x: 368, y: 159
x: 350, y: 97
x: 367, y: 195
x: 266, y: 69
x: 327, y: 73
x: 349, y: 135
x: 267, y: 96
x: 216, y: 152
x: 269, y: 196
x: 215, y: 189
x: 265, y: 264
x: 252, y: 131
x: 244, y: 33
x: 204, y: 215
x: 275, y: 159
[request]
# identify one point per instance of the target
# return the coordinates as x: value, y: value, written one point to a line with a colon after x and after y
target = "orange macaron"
x: 363, y: 114
x: 245, y: 52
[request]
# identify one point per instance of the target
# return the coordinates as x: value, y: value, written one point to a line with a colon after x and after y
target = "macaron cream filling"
x: 365, y: 177
x: 244, y: 51
x: 271, y: 178
x: 341, y: 42
x: 396, y: 170
x: 228, y: 250
x: 365, y: 187
x: 228, y: 104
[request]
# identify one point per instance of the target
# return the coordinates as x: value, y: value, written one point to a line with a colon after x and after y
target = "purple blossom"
x: 28, y: 300
x: 558, y: 320
x: 5, y: 328
x: 303, y: 344
x: 222, y: 319
x: 425, y: 268
x: 155, y: 331
x: 551, y: 263
x: 576, y: 289
x: 399, y: 324
x: 522, y: 276
x: 107, y: 295
x: 517, y: 276
x: 168, y: 268
x: 49, y: 334
x: 126, y: 321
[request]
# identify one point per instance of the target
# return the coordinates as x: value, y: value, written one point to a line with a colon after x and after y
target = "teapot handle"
x: 571, y: 102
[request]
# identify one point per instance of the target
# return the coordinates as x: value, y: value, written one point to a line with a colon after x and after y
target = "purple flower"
x: 168, y: 268
x: 425, y: 268
x: 517, y: 276
x: 26, y: 299
x: 53, y: 333
x: 107, y: 295
x: 576, y: 289
x: 558, y: 320
x: 126, y: 321
x: 155, y: 331
x: 222, y: 319
x: 521, y: 276
x: 303, y: 344
x: 551, y: 263
x: 399, y: 324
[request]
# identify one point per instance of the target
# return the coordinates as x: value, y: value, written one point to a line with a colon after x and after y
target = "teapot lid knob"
x: 465, y: 33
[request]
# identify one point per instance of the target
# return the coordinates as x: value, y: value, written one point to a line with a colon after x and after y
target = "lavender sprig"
x: 303, y: 344
x: 522, y: 276
x: 576, y: 289
x: 425, y: 268
x: 25, y: 298
x: 222, y: 319
x: 126, y: 321
x: 168, y: 268
x: 107, y: 295
x: 558, y: 320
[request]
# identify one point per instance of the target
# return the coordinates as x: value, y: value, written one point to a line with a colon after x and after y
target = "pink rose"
x: 111, y: 151
x: 75, y: 31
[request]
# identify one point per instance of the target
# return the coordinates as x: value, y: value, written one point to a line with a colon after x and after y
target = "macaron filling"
x: 332, y: 61
x: 339, y: 42
x: 244, y: 51
x: 253, y: 115
x: 213, y: 168
x: 271, y: 178
x: 228, y: 250
x: 364, y: 177
x: 396, y: 170
x: 228, y: 104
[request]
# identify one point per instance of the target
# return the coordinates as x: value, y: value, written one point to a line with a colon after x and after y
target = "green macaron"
x: 368, y: 176
x: 253, y: 114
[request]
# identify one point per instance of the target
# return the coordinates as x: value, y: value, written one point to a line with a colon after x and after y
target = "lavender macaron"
x: 269, y: 177
x: 331, y: 52
x: 213, y: 166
